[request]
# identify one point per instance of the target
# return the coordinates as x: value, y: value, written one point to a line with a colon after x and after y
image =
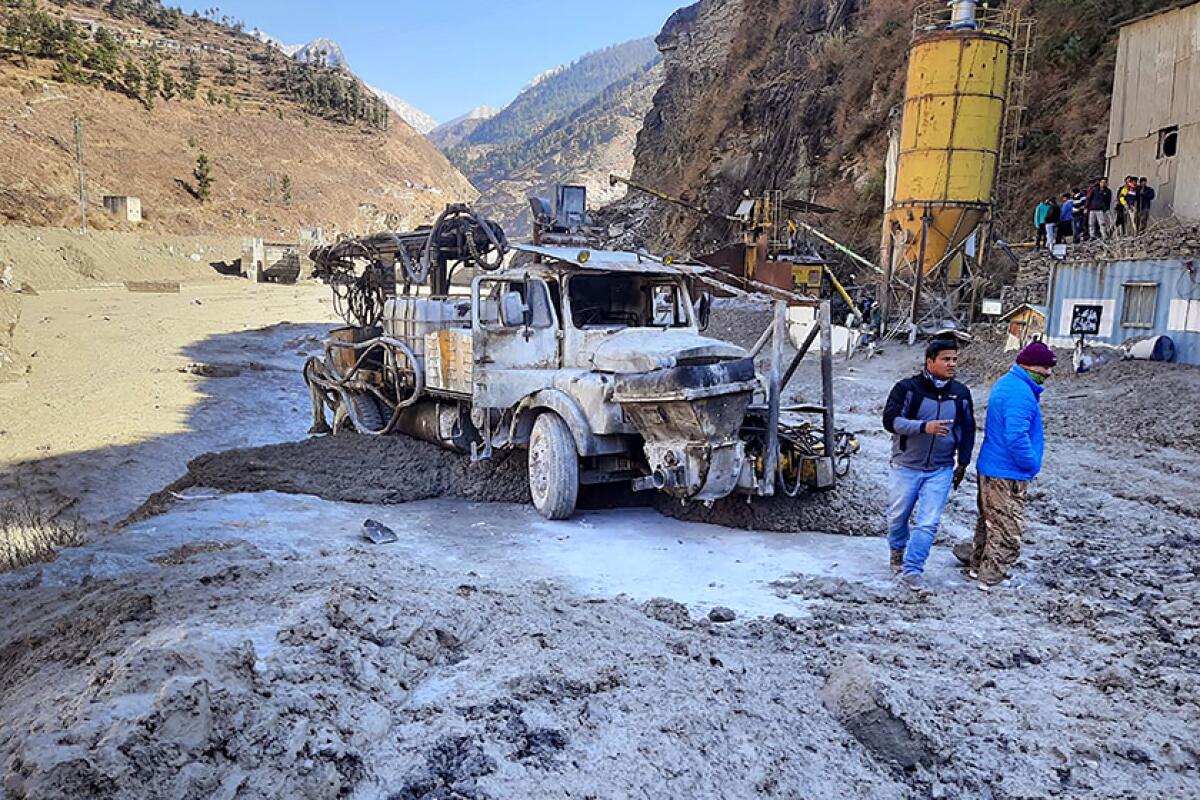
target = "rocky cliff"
x: 800, y: 95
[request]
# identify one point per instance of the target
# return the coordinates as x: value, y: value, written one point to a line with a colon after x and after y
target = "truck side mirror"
x: 703, y: 310
x: 513, y: 310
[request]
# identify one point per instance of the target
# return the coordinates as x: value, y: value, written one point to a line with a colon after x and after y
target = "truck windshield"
x: 626, y: 301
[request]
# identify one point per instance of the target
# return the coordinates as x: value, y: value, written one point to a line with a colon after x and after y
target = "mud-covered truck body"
x: 596, y: 363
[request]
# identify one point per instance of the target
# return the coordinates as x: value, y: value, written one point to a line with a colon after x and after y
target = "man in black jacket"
x: 1099, y: 201
x: 932, y: 421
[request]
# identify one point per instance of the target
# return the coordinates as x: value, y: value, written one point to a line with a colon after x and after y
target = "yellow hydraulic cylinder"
x: 950, y: 140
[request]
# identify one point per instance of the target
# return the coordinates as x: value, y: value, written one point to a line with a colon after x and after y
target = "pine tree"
x: 151, y: 79
x: 168, y: 85
x: 203, y: 176
x: 22, y: 32
x: 191, y: 78
x: 285, y: 189
x: 132, y: 78
x: 102, y: 57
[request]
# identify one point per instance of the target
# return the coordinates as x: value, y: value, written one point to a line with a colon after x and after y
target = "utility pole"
x: 83, y: 226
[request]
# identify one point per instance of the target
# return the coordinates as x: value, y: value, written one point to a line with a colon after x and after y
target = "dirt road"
x: 252, y: 645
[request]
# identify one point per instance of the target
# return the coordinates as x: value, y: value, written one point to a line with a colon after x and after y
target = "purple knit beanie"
x: 1037, y: 354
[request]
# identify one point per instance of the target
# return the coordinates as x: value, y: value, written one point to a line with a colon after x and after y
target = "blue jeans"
x: 927, y: 492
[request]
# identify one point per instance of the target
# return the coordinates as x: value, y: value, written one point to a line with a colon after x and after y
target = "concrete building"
x: 126, y: 209
x: 1154, y: 125
x: 1111, y: 302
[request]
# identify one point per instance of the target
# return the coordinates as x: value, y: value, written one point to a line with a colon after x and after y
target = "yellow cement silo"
x: 950, y: 138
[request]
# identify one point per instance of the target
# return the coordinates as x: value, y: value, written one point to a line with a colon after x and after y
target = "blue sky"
x: 448, y: 57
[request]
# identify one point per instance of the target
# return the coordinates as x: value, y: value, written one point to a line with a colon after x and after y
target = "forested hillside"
x: 584, y: 147
x: 564, y: 127
x: 560, y: 93
x: 212, y: 128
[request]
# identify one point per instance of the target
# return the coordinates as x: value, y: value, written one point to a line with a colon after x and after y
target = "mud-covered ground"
x: 254, y: 651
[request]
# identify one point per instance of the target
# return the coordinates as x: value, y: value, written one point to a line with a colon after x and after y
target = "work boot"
x: 897, y: 561
x: 915, y: 582
x: 962, y: 551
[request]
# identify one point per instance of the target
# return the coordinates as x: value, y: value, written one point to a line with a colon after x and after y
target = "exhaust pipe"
x: 654, y: 481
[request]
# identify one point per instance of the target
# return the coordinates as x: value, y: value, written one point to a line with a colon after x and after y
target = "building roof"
x: 1026, y: 306
x: 1173, y: 7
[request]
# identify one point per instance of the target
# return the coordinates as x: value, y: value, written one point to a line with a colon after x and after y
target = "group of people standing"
x: 1094, y: 214
x: 931, y: 417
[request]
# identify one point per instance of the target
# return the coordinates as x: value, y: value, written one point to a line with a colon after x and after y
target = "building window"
x: 1168, y: 142
x: 1140, y: 301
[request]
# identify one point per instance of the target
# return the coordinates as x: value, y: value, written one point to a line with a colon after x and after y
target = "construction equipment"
x: 947, y: 158
x: 771, y: 250
x: 593, y: 361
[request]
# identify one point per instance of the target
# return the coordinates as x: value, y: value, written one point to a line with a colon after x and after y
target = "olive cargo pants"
x: 999, y: 527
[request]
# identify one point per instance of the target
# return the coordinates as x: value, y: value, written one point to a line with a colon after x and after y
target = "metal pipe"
x: 827, y: 376
x: 774, y: 398
x: 804, y: 348
x: 762, y: 340
x: 836, y: 245
x: 918, y: 279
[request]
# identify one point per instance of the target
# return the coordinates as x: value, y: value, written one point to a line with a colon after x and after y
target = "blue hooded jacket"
x: 1013, y: 439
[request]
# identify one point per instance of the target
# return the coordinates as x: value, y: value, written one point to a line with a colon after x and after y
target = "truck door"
x: 515, y: 331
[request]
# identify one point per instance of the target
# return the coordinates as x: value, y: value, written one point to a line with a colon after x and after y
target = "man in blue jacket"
x: 1011, y: 457
x: 932, y: 422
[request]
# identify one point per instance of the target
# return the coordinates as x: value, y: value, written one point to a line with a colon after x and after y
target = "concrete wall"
x: 1156, y: 85
x: 127, y: 209
x: 1176, y: 310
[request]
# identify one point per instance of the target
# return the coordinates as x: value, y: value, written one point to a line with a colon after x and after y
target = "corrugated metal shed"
x: 1131, y: 299
x: 1156, y: 97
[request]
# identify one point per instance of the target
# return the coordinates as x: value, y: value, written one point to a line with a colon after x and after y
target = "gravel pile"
x: 1168, y: 238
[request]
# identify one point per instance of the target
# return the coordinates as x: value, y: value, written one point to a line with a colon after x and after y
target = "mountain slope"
x: 289, y: 145
x: 573, y: 124
x: 449, y: 134
x: 329, y: 53
x: 554, y: 94
x: 584, y: 147
x: 415, y: 117
x: 811, y: 113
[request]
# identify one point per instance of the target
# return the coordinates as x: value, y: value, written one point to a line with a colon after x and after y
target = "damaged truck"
x: 595, y: 362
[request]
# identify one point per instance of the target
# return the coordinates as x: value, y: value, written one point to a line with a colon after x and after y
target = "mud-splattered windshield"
x: 626, y: 301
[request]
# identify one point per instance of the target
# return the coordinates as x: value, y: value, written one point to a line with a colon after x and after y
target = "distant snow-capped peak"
x: 330, y: 53
x: 543, y: 76
x: 418, y: 119
x: 479, y: 112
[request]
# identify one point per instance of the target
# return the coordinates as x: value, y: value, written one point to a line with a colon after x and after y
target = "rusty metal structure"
x: 961, y: 73
x: 593, y: 361
x: 776, y: 248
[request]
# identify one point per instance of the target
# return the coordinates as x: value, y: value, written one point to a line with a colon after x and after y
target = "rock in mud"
x: 670, y: 612
x: 854, y: 697
x: 722, y: 614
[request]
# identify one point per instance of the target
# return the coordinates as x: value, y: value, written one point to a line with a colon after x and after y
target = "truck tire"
x: 367, y: 411
x: 553, y: 467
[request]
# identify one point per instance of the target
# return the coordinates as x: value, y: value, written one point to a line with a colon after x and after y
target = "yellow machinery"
x: 951, y: 137
x: 765, y: 232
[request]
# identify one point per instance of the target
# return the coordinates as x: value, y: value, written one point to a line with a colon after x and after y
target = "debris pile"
x: 1167, y: 238
x: 352, y: 468
x: 397, y: 469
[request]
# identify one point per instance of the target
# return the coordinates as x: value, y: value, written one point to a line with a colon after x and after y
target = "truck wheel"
x: 553, y: 467
x: 367, y: 411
